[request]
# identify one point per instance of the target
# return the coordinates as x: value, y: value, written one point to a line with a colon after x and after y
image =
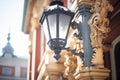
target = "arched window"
x: 115, y: 59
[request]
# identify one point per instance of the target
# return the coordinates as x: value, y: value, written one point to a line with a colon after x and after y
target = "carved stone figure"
x: 70, y: 64
x: 79, y: 66
x: 73, y: 63
x: 76, y: 44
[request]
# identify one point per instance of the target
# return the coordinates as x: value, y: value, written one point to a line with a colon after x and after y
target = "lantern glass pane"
x: 45, y: 28
x: 64, y: 21
x: 52, y: 24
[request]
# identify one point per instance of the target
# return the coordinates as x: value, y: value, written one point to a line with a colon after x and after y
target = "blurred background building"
x: 11, y: 66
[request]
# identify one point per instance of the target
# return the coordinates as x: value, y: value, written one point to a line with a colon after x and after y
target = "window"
x: 23, y: 72
x: 115, y: 50
x: 117, y: 59
x: 6, y: 71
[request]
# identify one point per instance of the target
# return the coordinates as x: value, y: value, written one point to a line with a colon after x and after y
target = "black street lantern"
x: 56, y: 21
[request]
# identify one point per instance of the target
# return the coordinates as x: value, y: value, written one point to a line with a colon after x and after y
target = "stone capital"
x: 93, y: 74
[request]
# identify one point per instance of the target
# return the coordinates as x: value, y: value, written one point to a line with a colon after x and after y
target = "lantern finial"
x: 58, y: 2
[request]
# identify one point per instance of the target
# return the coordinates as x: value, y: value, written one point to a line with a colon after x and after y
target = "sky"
x: 11, y: 15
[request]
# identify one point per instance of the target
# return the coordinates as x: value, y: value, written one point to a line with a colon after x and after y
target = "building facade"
x: 102, y: 19
x: 11, y: 66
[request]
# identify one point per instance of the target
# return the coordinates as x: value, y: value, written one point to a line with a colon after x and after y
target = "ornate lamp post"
x: 56, y: 21
x: 91, y: 22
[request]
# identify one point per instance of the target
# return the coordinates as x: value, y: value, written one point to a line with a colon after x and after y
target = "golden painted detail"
x: 83, y: 2
x: 75, y: 44
x: 34, y: 23
x: 35, y: 19
x: 77, y: 3
x: 99, y: 29
x: 72, y: 62
x: 30, y: 42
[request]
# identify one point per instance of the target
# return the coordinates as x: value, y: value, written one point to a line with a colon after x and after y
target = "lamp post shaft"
x: 83, y: 14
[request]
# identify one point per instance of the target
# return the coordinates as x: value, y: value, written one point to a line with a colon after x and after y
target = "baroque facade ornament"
x: 99, y: 29
x: 98, y: 24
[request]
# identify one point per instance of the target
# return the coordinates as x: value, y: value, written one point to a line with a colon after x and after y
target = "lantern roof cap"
x: 56, y: 9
